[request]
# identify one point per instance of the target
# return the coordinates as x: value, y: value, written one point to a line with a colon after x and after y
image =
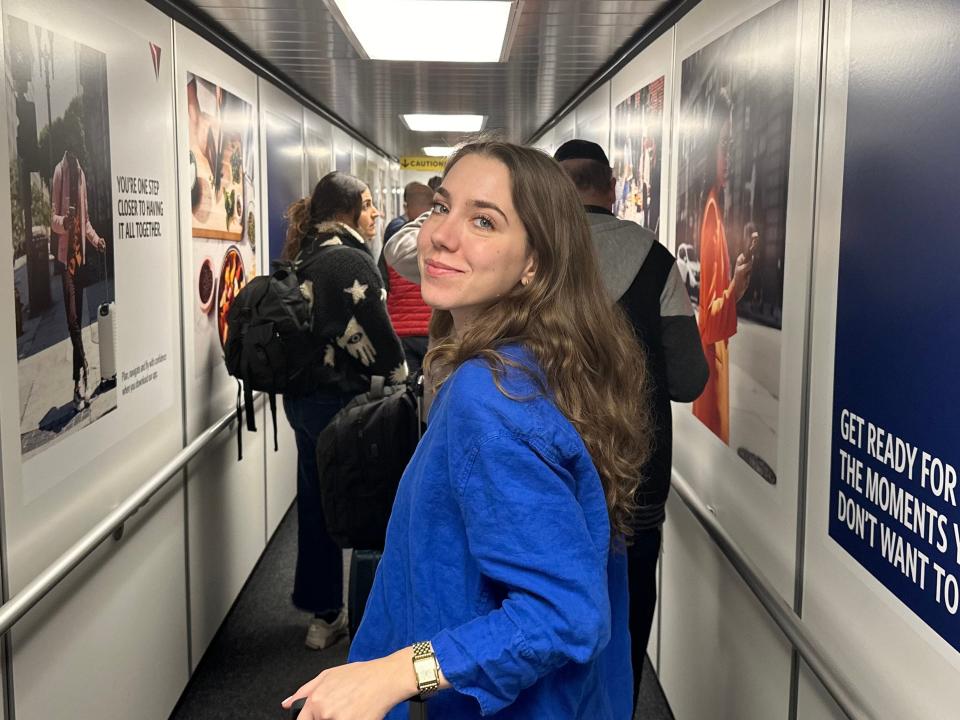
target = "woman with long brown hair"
x: 502, y: 589
x: 328, y: 232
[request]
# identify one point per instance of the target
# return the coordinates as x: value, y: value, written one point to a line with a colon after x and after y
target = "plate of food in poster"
x: 233, y: 277
x: 218, y: 125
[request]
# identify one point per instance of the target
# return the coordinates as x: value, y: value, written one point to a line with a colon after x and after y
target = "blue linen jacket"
x: 498, y: 550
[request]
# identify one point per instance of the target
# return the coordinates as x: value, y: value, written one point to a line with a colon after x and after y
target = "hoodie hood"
x: 622, y: 246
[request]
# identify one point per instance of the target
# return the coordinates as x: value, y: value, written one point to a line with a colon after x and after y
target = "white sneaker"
x: 79, y: 401
x: 321, y: 634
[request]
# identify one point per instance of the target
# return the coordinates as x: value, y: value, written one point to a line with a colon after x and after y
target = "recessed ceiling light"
x: 427, y: 30
x: 444, y: 123
x: 439, y: 150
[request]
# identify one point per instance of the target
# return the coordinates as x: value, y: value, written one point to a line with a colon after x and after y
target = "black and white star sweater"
x: 349, y: 309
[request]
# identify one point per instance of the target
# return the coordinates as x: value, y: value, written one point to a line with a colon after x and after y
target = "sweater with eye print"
x: 349, y: 310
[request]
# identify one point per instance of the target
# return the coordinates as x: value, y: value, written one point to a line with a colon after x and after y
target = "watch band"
x: 426, y: 669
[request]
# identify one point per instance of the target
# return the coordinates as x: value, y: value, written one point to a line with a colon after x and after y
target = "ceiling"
x: 558, y: 46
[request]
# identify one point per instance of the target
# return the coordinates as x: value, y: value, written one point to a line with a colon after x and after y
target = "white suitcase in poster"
x: 106, y: 330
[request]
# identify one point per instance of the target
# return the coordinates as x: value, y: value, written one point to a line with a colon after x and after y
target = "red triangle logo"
x: 155, y: 54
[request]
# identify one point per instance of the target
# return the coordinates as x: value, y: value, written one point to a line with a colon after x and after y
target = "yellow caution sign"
x: 423, y: 163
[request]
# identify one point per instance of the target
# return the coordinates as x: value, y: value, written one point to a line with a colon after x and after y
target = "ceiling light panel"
x: 444, y: 123
x: 439, y: 151
x: 427, y: 30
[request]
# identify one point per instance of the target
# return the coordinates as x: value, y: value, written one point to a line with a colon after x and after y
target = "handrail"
x: 832, y: 679
x: 21, y: 603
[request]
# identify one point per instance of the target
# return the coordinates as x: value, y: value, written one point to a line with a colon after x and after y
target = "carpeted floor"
x: 258, y: 657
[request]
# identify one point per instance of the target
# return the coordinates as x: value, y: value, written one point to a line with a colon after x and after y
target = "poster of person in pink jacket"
x: 62, y: 232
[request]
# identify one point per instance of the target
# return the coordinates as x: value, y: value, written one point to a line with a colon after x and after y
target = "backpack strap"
x: 239, y: 423
x: 248, y: 403
x: 273, y: 414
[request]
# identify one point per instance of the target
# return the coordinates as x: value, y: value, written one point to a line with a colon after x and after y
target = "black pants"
x: 318, y: 579
x: 73, y: 305
x: 642, y: 558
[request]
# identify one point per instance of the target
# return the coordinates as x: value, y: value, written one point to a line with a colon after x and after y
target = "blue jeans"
x: 318, y: 582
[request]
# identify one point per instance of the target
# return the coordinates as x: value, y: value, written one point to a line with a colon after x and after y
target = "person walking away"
x: 642, y: 276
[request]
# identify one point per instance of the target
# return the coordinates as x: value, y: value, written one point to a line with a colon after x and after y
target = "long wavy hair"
x: 595, y: 370
x: 336, y: 196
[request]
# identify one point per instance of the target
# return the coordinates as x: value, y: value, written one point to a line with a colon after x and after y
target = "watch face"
x: 425, y: 669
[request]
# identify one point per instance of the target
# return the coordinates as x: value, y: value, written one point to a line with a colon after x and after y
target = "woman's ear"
x: 529, y: 270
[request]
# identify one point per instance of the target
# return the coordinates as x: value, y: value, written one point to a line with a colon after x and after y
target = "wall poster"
x: 319, y: 154
x: 284, y: 184
x: 895, y: 455
x: 736, y: 108
x: 86, y: 217
x: 637, y: 150
x: 222, y: 172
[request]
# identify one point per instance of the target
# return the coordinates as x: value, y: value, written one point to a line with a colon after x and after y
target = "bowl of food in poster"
x: 233, y: 277
x: 206, y: 285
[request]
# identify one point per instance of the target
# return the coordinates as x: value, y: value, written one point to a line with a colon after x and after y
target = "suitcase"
x: 363, y: 568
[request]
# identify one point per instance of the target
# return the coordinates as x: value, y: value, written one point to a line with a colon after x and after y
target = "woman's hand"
x: 358, y: 691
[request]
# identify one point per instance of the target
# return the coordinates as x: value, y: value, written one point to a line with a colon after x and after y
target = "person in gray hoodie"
x: 642, y: 276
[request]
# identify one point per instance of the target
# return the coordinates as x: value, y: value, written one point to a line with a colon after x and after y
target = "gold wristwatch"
x: 426, y: 668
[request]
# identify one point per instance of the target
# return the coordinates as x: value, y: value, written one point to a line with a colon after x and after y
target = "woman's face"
x: 473, y: 248
x: 367, y: 222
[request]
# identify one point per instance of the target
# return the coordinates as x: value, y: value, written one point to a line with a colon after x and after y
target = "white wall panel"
x: 761, y: 517
x: 813, y: 701
x: 358, y: 163
x: 225, y: 498
x: 342, y: 151
x: 111, y: 639
x: 720, y: 654
x: 565, y: 129
x: 545, y: 142
x: 319, y: 149
x: 592, y: 118
x: 376, y: 180
x: 64, y: 473
x: 898, y: 663
x: 395, y: 203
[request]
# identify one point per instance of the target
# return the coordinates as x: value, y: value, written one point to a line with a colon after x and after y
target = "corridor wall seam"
x: 802, y: 476
x: 183, y: 363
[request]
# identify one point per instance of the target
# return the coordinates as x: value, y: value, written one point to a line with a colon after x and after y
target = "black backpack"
x: 361, y: 455
x: 271, y: 346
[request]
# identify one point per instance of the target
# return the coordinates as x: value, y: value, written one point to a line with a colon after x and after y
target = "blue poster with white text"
x: 896, y: 421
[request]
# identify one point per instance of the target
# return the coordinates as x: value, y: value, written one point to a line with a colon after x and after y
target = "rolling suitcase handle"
x: 418, y: 709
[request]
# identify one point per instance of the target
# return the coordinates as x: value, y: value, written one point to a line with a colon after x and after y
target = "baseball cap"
x: 581, y: 150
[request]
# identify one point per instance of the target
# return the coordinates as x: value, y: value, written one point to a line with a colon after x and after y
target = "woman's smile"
x: 439, y: 269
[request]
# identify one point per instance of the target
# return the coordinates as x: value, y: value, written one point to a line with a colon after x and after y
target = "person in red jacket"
x: 408, y: 313
x: 719, y: 290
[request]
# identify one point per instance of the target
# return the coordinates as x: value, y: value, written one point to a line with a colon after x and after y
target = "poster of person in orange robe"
x: 736, y: 109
